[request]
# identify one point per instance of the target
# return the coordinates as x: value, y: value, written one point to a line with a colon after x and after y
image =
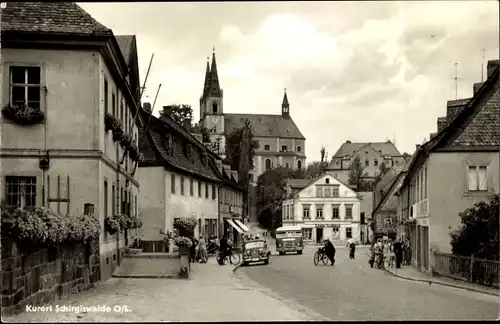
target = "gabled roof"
x: 392, y: 179
x: 476, y: 126
x: 49, y: 18
x: 384, y: 148
x: 126, y: 42
x: 298, y: 183
x: 264, y: 125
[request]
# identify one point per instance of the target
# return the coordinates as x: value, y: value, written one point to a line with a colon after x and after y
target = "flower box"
x: 23, y: 115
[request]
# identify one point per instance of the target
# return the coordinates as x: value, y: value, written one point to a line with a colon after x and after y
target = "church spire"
x: 285, y: 106
x: 207, y: 79
x: 214, y: 87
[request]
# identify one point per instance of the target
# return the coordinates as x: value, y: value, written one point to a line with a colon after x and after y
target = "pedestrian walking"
x: 398, y: 251
x: 202, y: 248
x: 392, y: 256
x: 352, y: 247
x: 192, y: 250
x: 371, y: 256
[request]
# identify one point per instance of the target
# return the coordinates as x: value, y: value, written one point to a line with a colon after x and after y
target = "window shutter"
x: 472, y: 178
x: 482, y: 178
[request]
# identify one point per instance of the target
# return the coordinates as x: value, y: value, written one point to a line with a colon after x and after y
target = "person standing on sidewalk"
x: 398, y: 251
x: 202, y: 247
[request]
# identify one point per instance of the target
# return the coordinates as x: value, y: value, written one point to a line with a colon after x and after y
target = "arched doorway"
x: 299, y: 164
x: 268, y: 164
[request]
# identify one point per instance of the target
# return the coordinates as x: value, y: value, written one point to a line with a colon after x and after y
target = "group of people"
x: 386, y: 253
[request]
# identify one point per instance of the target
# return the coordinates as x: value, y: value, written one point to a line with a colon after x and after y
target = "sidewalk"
x: 212, y: 293
x: 410, y: 273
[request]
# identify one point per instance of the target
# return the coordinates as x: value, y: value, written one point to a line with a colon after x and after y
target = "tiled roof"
x: 484, y: 129
x: 455, y: 107
x: 383, y: 187
x: 349, y: 148
x: 152, y: 146
x: 264, y: 125
x: 125, y: 42
x: 49, y: 17
x: 298, y: 183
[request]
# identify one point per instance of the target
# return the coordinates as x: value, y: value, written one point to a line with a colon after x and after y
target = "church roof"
x: 264, y: 125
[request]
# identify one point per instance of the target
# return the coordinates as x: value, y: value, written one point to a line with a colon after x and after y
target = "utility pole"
x: 482, y: 66
x: 456, y: 80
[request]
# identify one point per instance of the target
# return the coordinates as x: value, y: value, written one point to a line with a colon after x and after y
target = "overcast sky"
x: 359, y: 71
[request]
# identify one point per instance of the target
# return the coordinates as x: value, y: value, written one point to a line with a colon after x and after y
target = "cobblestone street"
x: 351, y: 290
x: 212, y: 293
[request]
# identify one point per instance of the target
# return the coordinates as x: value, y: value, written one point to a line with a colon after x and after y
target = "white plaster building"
x: 324, y: 207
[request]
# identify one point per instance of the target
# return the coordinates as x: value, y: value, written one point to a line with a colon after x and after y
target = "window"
x: 336, y: 231
x: 268, y: 164
x: 319, y: 212
x: 206, y: 190
x: 392, y: 162
x: 127, y: 123
x: 135, y: 206
x: 375, y: 162
x: 328, y: 191
x: 307, y: 233
x: 319, y: 192
x: 121, y: 113
x: 299, y: 149
x: 362, y: 220
x: 214, y: 192
x: 25, y: 86
x: 182, y: 185
x: 335, y: 192
x: 250, y: 177
x: 305, y: 213
x: 214, y: 107
x: 267, y: 148
x: 113, y: 104
x: 105, y: 199
x: 335, y: 211
x: 367, y: 163
x: 199, y: 188
x: 284, y: 148
x: 477, y: 178
x: 348, y: 232
x: 106, y: 108
x: 299, y: 164
x: 327, y: 180
x: 191, y: 187
x: 172, y: 183
x: 287, y: 165
x: 113, y: 201
x: 348, y: 211
x: 21, y: 191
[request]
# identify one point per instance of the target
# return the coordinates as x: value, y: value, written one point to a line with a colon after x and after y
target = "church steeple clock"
x: 211, y: 107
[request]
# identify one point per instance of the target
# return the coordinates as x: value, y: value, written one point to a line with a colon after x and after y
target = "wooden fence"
x: 471, y: 269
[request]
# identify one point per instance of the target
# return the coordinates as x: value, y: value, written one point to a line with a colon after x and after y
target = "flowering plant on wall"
x: 111, y: 123
x: 41, y: 225
x: 111, y: 225
x: 183, y: 241
x: 23, y: 115
x: 136, y: 222
x: 185, y: 223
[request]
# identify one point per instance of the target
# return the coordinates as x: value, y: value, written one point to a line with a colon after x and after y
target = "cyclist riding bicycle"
x: 329, y: 250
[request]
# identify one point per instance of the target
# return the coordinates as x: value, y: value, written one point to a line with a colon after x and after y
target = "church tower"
x: 285, y: 106
x: 211, y: 108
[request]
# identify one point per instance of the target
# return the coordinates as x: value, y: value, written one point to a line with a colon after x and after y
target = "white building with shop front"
x: 324, y: 207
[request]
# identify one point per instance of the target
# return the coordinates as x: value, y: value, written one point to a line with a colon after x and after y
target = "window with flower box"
x: 21, y: 191
x: 25, y: 83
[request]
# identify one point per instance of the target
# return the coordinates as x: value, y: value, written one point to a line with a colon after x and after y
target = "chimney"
x: 187, y: 124
x: 476, y: 87
x: 432, y: 135
x: 441, y: 123
x: 417, y: 146
x: 167, y: 110
x: 147, y: 107
x: 491, y: 67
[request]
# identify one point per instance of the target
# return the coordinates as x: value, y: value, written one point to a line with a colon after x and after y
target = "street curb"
x: 442, y: 284
x: 148, y: 276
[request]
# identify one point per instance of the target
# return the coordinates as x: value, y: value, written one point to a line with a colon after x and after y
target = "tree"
x: 179, y: 113
x: 271, y: 193
x: 356, y: 172
x: 478, y: 232
x: 240, y: 150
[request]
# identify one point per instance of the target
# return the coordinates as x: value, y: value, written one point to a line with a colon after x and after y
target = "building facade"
x: 280, y: 141
x: 183, y: 179
x: 458, y: 167
x: 324, y: 207
x: 68, y: 161
x: 371, y: 156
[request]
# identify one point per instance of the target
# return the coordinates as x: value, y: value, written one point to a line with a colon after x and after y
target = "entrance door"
x: 319, y: 235
x: 425, y: 247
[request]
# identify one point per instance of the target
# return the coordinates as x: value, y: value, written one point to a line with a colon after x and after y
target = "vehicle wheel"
x: 299, y: 252
x: 266, y: 261
x: 235, y: 259
x: 282, y: 253
x: 325, y: 259
x: 316, y: 258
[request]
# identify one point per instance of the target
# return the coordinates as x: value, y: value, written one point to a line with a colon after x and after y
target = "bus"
x: 289, y: 239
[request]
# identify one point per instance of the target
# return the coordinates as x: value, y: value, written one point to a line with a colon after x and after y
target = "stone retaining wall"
x: 38, y: 276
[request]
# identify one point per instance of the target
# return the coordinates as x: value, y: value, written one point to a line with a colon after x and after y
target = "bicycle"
x: 320, y: 255
x: 233, y: 258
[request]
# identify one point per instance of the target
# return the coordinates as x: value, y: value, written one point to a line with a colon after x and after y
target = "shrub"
x: 183, y: 241
x: 111, y: 225
x: 23, y: 115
